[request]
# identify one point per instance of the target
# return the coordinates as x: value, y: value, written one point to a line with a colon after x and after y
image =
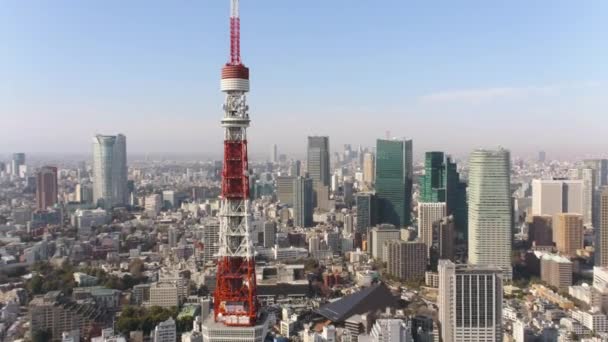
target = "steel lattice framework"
x: 235, y: 302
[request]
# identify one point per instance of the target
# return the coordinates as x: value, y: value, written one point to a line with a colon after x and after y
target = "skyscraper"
x: 406, y: 260
x: 568, y: 233
x: 16, y: 163
x: 369, y: 171
x: 550, y: 197
x: 285, y: 189
x: 394, y: 172
x: 441, y: 183
x: 318, y: 160
x: 110, y: 170
x: 46, y: 187
x: 490, y: 225
x: 470, y: 302
x: 601, y: 232
x: 274, y: 154
x: 366, y: 211
x: 302, y: 201
x: 429, y: 214
x: 601, y: 170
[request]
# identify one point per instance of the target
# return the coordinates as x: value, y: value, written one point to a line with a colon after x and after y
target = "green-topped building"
x: 441, y: 183
x: 394, y: 172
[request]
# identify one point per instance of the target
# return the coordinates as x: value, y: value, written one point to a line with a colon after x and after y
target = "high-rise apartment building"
x: 366, y: 211
x: 302, y: 202
x: 46, y: 187
x: 568, y: 233
x: 165, y: 331
x: 390, y: 330
x: 441, y: 183
x: 470, y: 302
x: 369, y: 168
x: 490, y: 222
x: 110, y: 170
x: 428, y: 214
x: 601, y: 232
x: 153, y: 205
x: 394, y: 172
x: 406, y: 260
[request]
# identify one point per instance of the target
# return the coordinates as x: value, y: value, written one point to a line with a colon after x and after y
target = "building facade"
x: 110, y: 170
x: 394, y: 173
x: 429, y: 213
x: 490, y: 205
x: 406, y: 260
x: 46, y: 187
x: 568, y: 233
x: 470, y: 302
x: 302, y: 202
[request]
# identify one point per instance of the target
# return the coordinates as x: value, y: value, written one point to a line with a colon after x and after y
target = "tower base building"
x: 213, y: 331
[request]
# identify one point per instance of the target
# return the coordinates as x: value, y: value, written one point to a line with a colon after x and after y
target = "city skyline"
x: 155, y: 79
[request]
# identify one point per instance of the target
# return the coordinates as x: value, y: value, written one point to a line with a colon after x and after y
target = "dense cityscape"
x: 350, y: 243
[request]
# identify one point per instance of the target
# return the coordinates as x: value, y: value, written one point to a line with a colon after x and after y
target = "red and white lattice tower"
x: 235, y: 302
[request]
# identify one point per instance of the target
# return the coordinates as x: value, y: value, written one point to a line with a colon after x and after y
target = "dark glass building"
x: 394, y: 172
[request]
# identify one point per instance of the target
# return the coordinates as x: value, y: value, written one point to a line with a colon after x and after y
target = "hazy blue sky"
x: 453, y: 75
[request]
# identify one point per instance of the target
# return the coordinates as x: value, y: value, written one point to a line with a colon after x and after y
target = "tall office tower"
x: 318, y: 160
x: 366, y: 211
x: 587, y: 175
x: 568, y: 233
x: 369, y: 169
x: 46, y: 187
x: 444, y: 234
x: 295, y: 168
x: 428, y: 214
x: 550, y: 197
x: 270, y: 234
x: 406, y: 260
x: 16, y: 163
x: 349, y: 224
x: 601, y: 170
x: 285, y: 189
x: 470, y: 302
x: 110, y: 170
x: 490, y: 222
x: 542, y: 156
x: 274, y: 154
x: 302, y: 201
x: 441, y: 183
x: 211, y: 240
x: 378, y: 236
x: 601, y: 232
x: 540, y: 230
x: 153, y: 205
x: 394, y: 172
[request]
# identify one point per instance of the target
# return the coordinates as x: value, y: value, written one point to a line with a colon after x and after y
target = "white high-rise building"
x: 470, y: 302
x: 369, y: 168
x: 110, y: 170
x: 390, y: 330
x: 153, y: 205
x: 550, y: 197
x: 490, y: 222
x: 428, y: 214
x: 587, y: 175
x: 165, y: 331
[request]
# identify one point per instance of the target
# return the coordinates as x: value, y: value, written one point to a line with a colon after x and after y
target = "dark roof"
x: 283, y: 289
x: 377, y: 297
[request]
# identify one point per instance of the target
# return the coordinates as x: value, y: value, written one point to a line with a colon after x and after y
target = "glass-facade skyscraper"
x: 110, y: 170
x: 490, y: 226
x: 394, y: 172
x: 302, y: 202
x: 441, y: 183
x: 318, y: 160
x: 366, y: 211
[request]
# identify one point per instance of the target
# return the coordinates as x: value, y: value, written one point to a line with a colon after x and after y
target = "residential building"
x: 164, y: 294
x: 490, y: 220
x: 211, y: 240
x: 110, y: 170
x: 165, y: 331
